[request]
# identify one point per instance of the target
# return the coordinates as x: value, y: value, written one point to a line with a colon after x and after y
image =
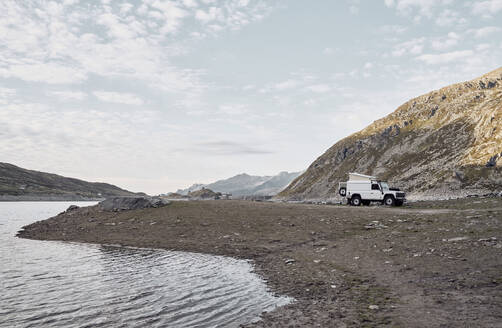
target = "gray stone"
x: 72, y: 208
x: 493, y: 161
x: 131, y: 203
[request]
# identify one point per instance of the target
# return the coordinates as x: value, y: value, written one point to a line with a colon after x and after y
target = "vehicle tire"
x: 342, y: 191
x: 389, y: 200
x: 399, y: 203
x: 366, y: 202
x: 356, y: 200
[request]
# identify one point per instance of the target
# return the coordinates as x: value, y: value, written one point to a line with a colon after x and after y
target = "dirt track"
x: 430, y: 264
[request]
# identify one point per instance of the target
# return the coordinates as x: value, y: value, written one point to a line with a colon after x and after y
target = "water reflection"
x: 66, y: 284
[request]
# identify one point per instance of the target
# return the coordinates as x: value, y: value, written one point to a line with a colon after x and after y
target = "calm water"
x: 55, y: 284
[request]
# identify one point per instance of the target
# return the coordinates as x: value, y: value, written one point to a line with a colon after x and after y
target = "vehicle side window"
x: 374, y: 186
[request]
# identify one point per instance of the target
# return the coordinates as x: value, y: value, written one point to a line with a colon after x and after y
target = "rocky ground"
x: 428, y: 264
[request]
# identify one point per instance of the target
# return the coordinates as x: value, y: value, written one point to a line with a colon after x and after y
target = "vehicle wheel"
x: 399, y: 203
x: 366, y: 202
x: 356, y: 200
x: 342, y: 191
x: 389, y: 200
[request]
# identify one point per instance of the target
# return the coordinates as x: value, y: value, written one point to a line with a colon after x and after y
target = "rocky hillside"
x: 21, y: 184
x: 447, y: 142
x: 247, y: 185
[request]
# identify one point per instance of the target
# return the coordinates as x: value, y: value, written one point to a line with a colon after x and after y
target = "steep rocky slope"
x: 447, y: 142
x: 21, y: 184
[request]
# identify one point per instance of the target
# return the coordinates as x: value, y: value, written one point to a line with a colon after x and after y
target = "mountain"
x: 21, y: 184
x: 275, y: 184
x: 446, y: 142
x: 247, y: 185
x: 239, y: 185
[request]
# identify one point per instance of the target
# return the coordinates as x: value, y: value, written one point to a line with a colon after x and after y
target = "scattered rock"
x: 373, y: 307
x: 488, y: 239
x: 375, y: 225
x: 289, y: 261
x: 456, y: 239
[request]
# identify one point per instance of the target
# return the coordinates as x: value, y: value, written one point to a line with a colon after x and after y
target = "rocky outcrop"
x: 447, y: 142
x: 204, y: 193
x: 116, y: 204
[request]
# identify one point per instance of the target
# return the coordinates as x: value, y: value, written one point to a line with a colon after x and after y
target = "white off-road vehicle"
x: 364, y: 189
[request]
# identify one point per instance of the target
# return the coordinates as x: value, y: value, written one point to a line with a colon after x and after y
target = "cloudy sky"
x: 154, y: 95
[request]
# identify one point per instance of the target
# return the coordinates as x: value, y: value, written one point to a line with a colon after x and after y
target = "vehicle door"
x: 376, y: 191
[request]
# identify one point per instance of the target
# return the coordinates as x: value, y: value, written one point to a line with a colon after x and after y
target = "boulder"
x: 492, y: 161
x: 131, y: 203
x: 72, y: 208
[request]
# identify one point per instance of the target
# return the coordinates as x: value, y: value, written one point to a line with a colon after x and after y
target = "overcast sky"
x: 154, y: 95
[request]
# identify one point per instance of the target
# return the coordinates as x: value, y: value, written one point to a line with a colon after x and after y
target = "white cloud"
x: 484, y: 31
x: 418, y: 8
x: 285, y: 85
x: 190, y: 3
x: 211, y: 14
x: 328, y: 51
x: 53, y: 73
x: 487, y: 8
x: 233, y: 109
x: 6, y: 94
x: 69, y: 95
x: 413, y: 47
x: 310, y: 102
x: 249, y: 87
x: 62, y: 44
x: 354, y: 6
x: 445, y: 43
x: 118, y: 97
x: 393, y: 29
x: 482, y: 47
x: 319, y: 88
x: 449, y: 17
x: 447, y: 57
x: 173, y: 15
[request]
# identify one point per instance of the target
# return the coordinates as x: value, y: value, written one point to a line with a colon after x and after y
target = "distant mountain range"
x: 21, y: 184
x: 446, y: 142
x: 247, y: 185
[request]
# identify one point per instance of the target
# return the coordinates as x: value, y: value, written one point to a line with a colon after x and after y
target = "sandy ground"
x: 429, y: 264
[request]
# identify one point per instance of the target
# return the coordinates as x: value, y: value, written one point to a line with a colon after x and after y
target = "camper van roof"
x: 369, y: 177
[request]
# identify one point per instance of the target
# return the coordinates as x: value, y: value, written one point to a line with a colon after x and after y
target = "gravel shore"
x: 428, y: 264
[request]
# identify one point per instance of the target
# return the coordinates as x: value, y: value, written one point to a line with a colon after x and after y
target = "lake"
x: 59, y: 284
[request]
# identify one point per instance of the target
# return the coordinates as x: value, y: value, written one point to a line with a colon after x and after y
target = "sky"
x: 155, y: 95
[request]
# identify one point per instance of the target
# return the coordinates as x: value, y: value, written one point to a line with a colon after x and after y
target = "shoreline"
x: 341, y: 267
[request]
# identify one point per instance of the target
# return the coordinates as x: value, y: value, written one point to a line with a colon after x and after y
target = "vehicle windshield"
x: 384, y: 185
